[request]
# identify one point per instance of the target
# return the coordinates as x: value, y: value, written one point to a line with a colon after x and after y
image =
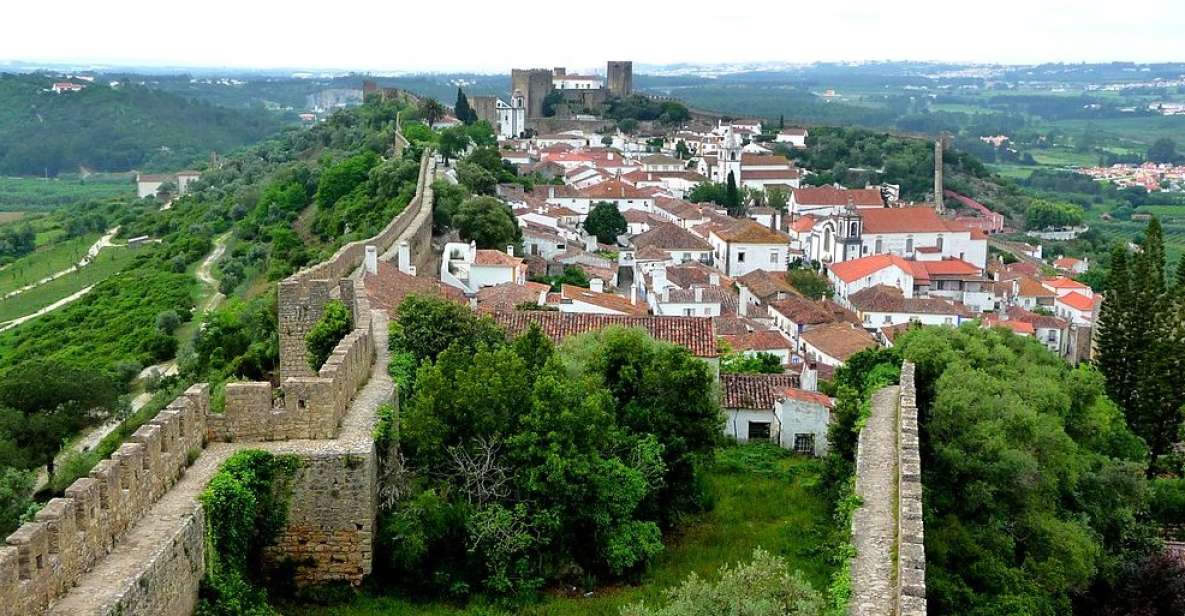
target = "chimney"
x: 510, y: 249
x: 472, y: 251
x: 551, y: 192
x: 633, y: 295
x: 809, y: 380
x: 714, y: 279
x: 938, y: 204
x: 699, y: 294
x: 590, y: 243
x: 777, y: 221
x: 743, y: 304
x: 404, y: 257
x: 596, y: 285
x: 372, y: 260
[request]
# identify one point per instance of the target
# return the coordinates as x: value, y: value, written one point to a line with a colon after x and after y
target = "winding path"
x: 91, y: 253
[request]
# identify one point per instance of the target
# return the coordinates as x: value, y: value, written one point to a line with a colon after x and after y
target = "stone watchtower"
x: 535, y: 84
x: 620, y: 77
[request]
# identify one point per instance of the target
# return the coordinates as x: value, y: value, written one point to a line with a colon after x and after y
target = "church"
x: 910, y: 232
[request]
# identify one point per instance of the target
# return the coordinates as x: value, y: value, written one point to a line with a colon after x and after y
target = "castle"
x: 539, y: 92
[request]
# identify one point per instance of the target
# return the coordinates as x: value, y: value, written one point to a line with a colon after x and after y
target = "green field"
x: 23, y: 194
x: 758, y: 502
x: 109, y: 261
x: 43, y: 262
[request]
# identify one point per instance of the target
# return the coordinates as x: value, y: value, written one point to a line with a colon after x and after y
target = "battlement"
x: 302, y: 296
x: 45, y: 557
x: 911, y: 549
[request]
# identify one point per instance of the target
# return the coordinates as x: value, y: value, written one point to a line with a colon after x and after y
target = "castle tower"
x: 938, y: 198
x: 535, y: 84
x: 620, y: 77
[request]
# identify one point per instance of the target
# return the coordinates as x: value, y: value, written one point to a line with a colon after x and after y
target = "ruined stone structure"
x: 889, y: 570
x: 486, y: 108
x: 129, y: 539
x: 620, y: 74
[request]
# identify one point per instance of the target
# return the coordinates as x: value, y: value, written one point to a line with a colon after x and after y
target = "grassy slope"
x: 109, y: 261
x: 44, y: 261
x: 774, y: 509
x: 41, y: 195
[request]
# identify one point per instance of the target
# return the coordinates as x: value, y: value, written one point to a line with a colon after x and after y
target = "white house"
x: 595, y: 301
x: 849, y: 277
x: 880, y: 306
x: 744, y: 246
x: 795, y: 137
x: 682, y: 245
x: 821, y: 201
x: 466, y: 267
x: 771, y: 407
x: 1077, y: 308
x: 833, y: 343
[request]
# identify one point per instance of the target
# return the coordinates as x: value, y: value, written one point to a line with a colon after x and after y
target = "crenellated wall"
x: 302, y: 296
x: 45, y: 557
x: 910, y: 587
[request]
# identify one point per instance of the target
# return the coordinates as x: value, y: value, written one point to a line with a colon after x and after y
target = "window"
x: 689, y: 312
x: 740, y: 256
x: 908, y: 244
x: 868, y: 319
x: 939, y: 242
x: 773, y: 256
x: 949, y: 321
x: 759, y: 430
x: 888, y: 319
x: 879, y: 247
x: 804, y: 444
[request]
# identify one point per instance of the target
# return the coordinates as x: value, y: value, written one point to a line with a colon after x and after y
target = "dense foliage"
x: 333, y: 325
x: 113, y: 128
x: 606, y: 222
x: 1046, y: 215
x: 246, y: 507
x: 1035, y: 490
x: 526, y: 463
x: 640, y: 108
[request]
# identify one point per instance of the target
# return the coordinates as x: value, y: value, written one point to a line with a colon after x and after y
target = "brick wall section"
x: 302, y: 296
x: 911, y: 549
x: 45, y: 557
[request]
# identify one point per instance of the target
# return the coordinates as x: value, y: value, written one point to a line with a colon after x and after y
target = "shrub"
x: 333, y: 325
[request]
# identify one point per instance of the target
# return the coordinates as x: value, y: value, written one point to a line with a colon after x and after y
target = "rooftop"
x: 753, y: 391
x: 839, y: 340
x: 829, y: 195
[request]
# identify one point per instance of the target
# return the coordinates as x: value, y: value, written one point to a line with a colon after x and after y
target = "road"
x: 50, y: 308
x: 91, y: 253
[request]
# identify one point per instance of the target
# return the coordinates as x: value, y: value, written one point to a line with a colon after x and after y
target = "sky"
x: 456, y: 35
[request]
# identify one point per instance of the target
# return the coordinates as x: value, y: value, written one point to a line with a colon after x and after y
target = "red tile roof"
x: 754, y: 391
x: 904, y: 220
x: 839, y: 340
x: 763, y: 340
x: 750, y: 232
x: 813, y: 397
x: 829, y: 195
x: 496, y: 257
x: 695, y: 334
x: 608, y: 301
x: 1078, y: 301
x: 669, y: 236
x: 851, y: 271
x: 388, y: 287
x: 803, y: 311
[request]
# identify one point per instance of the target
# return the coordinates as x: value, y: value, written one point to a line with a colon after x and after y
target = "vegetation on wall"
x: 333, y: 325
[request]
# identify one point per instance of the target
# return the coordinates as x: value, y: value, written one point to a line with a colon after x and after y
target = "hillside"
x: 118, y: 128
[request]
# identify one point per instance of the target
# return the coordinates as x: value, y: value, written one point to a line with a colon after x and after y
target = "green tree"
x: 476, y: 178
x: 605, y: 222
x: 777, y: 198
x: 431, y: 110
x: 453, y: 141
x: 334, y: 324
x: 16, y: 494
x: 732, y: 196
x: 487, y: 221
x: 447, y: 198
x: 1047, y: 215
x: 708, y: 192
x: 462, y: 109
x: 44, y: 403
x: 1163, y: 150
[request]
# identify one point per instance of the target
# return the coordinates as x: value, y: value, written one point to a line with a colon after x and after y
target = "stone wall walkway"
x: 121, y: 577
x: 874, y: 528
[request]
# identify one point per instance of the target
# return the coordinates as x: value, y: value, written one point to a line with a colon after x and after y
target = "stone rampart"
x: 46, y: 557
x: 302, y: 296
x: 910, y: 588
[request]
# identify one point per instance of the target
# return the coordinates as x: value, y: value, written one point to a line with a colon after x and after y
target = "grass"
x: 109, y: 261
x: 10, y: 216
x: 43, y: 262
x: 763, y: 497
x: 42, y: 195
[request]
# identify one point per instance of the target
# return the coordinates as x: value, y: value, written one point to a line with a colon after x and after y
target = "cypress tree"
x: 462, y: 110
x: 1153, y: 250
x: 732, y: 195
x: 1179, y: 279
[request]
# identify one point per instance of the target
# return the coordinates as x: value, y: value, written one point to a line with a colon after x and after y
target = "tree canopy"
x: 606, y: 222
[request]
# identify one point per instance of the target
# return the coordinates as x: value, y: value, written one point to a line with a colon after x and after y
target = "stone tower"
x: 620, y: 77
x: 535, y: 84
x: 938, y: 199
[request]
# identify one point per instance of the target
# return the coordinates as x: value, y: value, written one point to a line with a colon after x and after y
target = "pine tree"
x: 1112, y: 334
x: 1153, y: 250
x: 781, y: 121
x: 1179, y: 279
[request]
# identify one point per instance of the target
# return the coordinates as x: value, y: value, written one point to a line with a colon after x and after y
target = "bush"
x: 333, y: 325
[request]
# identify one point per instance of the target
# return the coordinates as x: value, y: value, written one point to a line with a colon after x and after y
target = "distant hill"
x: 117, y: 128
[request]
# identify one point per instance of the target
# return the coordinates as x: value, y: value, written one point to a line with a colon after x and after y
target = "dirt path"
x: 91, y: 253
x: 207, y: 278
x: 50, y: 308
x: 874, y: 528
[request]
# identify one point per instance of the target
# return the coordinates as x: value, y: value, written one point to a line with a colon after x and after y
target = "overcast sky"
x: 492, y: 36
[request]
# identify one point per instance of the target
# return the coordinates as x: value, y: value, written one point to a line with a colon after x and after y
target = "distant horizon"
x: 490, y: 39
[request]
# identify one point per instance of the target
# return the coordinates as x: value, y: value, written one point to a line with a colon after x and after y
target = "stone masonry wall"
x: 302, y: 296
x: 911, y: 549
x: 46, y: 557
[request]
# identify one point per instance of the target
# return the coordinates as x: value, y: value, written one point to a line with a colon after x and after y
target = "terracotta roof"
x: 882, y: 298
x: 660, y: 159
x: 762, y: 340
x: 637, y: 216
x: 507, y: 296
x: 765, y: 160
x: 750, y: 232
x: 1029, y: 287
x: 708, y: 295
x: 686, y: 275
x: 1066, y: 262
x: 678, y: 207
x: 733, y: 325
x: 668, y: 236
x: 487, y: 256
x: 1019, y: 327
x: 829, y: 195
x: 770, y: 174
x: 851, y: 271
x: 839, y: 340
x: 803, y: 311
x: 813, y: 397
x: 947, y: 267
x: 695, y: 334
x: 804, y: 224
x: 651, y: 253
x: 612, y: 189
x: 753, y: 391
x: 1078, y: 301
x: 789, y: 130
x: 1040, y: 321
x: 1063, y: 283
x: 765, y: 284
x: 388, y: 287
x: 903, y: 220
x: 608, y: 301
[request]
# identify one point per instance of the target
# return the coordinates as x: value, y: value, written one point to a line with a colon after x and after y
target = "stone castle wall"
x: 302, y: 296
x: 910, y: 588
x: 46, y: 557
